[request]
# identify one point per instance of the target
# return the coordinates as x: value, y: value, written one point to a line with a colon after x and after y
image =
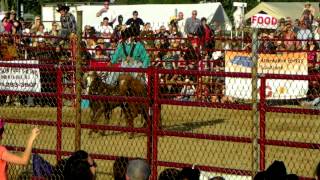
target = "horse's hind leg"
x: 94, y: 119
x: 107, y: 117
x: 144, y: 114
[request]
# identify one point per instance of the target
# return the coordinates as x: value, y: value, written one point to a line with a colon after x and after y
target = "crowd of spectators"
x: 80, y: 166
x: 184, y: 43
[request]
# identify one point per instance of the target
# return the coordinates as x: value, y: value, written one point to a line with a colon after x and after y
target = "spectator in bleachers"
x: 267, y: 44
x: 206, y: 38
x: 67, y: 20
x: 304, y: 34
x: 15, y: 23
x: 98, y: 54
x: 281, y: 27
x: 308, y: 15
x: 40, y: 32
x: 138, y: 169
x: 316, y: 34
x: 8, y: 157
x: 169, y: 174
x: 188, y: 91
x: 192, y: 28
x: 289, y: 35
x: 296, y: 26
x: 175, y: 34
x: 36, y: 25
x: 106, y: 31
x: 312, y: 48
x: 7, y: 25
x: 118, y: 29
x: 148, y: 34
x: 192, y: 25
x: 134, y: 23
x: 54, y: 29
x: 107, y: 12
x: 180, y: 23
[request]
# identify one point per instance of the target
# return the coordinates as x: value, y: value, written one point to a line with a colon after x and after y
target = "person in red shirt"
x: 8, y: 157
x: 207, y: 37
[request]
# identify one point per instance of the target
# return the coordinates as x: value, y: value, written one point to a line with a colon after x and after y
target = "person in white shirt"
x: 181, y: 23
x: 107, y: 12
x: 105, y: 30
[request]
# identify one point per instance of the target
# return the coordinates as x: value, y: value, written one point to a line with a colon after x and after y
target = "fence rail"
x: 214, y: 135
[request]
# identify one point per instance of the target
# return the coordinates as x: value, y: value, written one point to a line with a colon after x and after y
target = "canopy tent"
x: 281, y: 9
x: 156, y: 14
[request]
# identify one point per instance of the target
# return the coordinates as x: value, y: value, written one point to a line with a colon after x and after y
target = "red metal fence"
x: 214, y: 135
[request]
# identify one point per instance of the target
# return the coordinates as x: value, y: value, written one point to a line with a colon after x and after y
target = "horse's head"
x: 124, y: 84
x: 93, y: 82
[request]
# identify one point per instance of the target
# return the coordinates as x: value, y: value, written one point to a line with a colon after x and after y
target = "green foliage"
x: 34, y: 6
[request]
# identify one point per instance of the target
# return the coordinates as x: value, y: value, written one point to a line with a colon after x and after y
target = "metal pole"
x: 77, y: 54
x: 59, y: 113
x: 255, y: 111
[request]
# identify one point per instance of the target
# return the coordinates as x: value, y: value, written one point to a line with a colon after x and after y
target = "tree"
x: 4, y: 5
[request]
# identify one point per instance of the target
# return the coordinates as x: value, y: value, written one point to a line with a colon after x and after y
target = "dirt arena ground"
x: 300, y: 128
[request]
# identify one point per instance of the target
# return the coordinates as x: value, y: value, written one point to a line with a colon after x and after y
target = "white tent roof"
x: 156, y: 14
x: 281, y: 9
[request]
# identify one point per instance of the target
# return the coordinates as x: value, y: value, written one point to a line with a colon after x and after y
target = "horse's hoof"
x: 102, y: 133
x: 92, y: 131
x: 130, y: 135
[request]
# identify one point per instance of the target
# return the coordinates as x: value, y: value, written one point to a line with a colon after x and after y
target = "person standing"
x: 107, y: 12
x: 192, y: 30
x: 134, y: 23
x: 67, y: 20
x: 192, y: 25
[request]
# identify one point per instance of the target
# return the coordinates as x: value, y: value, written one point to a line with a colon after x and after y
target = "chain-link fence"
x: 228, y: 109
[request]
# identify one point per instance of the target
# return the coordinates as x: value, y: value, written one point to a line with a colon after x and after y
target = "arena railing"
x: 156, y: 106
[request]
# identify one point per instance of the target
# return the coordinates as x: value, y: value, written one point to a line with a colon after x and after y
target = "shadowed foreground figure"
x: 138, y: 169
x: 119, y: 168
x: 276, y: 170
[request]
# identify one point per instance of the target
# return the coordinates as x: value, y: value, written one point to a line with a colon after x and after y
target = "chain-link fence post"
x: 78, y: 81
x: 255, y: 110
x: 155, y: 126
x: 262, y: 115
x: 59, y: 112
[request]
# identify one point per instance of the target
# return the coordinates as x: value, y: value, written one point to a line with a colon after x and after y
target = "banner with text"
x: 285, y: 63
x: 264, y: 21
x: 20, y: 79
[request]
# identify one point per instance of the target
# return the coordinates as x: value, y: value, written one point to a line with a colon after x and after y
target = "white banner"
x: 264, y: 21
x: 20, y: 79
x: 285, y: 63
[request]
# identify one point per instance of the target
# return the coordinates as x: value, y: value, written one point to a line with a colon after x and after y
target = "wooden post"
x: 78, y: 61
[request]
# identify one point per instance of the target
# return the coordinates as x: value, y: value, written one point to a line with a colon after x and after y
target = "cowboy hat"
x: 62, y: 7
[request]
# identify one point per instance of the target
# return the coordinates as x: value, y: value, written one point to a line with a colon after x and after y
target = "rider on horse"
x: 132, y: 54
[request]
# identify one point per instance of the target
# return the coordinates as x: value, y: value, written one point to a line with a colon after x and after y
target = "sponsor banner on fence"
x: 20, y: 79
x: 285, y: 63
x: 264, y: 21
